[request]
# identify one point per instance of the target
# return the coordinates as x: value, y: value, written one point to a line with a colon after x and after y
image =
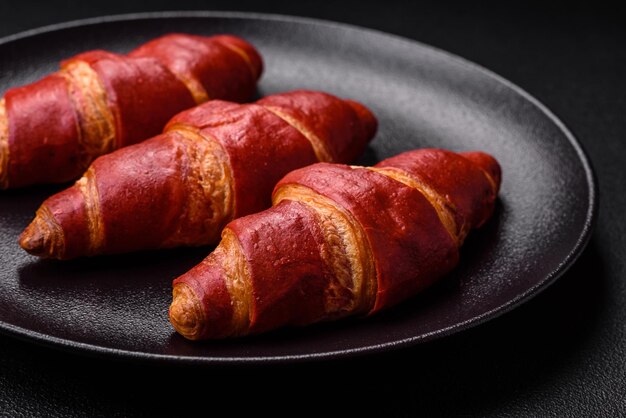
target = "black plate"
x: 117, y: 305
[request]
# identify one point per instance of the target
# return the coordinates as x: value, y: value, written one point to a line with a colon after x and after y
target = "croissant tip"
x: 252, y: 55
x: 185, y: 312
x: 488, y: 163
x: 367, y: 118
x: 35, y: 239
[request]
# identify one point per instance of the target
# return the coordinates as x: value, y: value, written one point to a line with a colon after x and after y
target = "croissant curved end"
x: 367, y: 118
x: 489, y: 165
x: 37, y: 238
x: 251, y: 54
x: 186, y: 313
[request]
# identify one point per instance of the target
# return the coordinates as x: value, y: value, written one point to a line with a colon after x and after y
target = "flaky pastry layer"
x: 210, y: 204
x: 44, y: 237
x: 188, y: 315
x: 346, y: 251
x: 319, y: 146
x: 238, y: 282
x: 88, y: 187
x: 96, y: 120
x: 444, y: 210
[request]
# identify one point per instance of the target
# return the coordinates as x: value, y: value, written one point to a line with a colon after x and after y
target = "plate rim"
x: 129, y: 355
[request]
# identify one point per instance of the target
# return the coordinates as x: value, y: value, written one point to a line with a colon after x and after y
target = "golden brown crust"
x: 43, y: 237
x: 96, y: 120
x: 88, y: 187
x: 342, y: 240
x: 319, y: 147
x: 346, y: 251
x: 218, y: 304
x: 237, y: 279
x: 210, y: 184
x: 186, y: 313
x: 195, y: 87
x: 4, y: 146
x: 444, y: 210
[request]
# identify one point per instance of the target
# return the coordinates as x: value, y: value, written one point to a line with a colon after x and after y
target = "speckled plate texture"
x: 117, y: 305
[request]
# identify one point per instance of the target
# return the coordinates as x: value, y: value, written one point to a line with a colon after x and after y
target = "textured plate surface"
x: 117, y: 305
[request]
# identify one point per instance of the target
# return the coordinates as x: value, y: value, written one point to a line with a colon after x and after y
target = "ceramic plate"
x: 423, y: 97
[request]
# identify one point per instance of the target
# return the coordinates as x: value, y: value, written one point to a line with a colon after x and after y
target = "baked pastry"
x: 338, y: 241
x: 213, y: 163
x: 99, y: 101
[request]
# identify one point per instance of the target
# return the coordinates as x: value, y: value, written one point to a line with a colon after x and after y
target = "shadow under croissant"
x: 116, y: 301
x: 319, y: 338
x: 109, y: 271
x: 368, y: 158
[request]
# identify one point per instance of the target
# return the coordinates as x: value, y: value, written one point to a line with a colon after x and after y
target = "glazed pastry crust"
x: 209, y: 200
x: 445, y: 210
x: 100, y: 101
x: 318, y: 145
x: 213, y: 163
x: 341, y: 241
x: 345, y: 250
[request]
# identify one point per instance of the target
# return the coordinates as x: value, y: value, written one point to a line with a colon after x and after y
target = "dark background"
x: 561, y: 354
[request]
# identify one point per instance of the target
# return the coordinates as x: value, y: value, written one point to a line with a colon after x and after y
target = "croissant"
x: 338, y: 241
x: 100, y: 101
x: 212, y: 164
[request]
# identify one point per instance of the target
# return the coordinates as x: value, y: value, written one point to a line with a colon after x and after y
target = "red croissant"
x: 100, y: 101
x: 339, y: 241
x: 214, y: 163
